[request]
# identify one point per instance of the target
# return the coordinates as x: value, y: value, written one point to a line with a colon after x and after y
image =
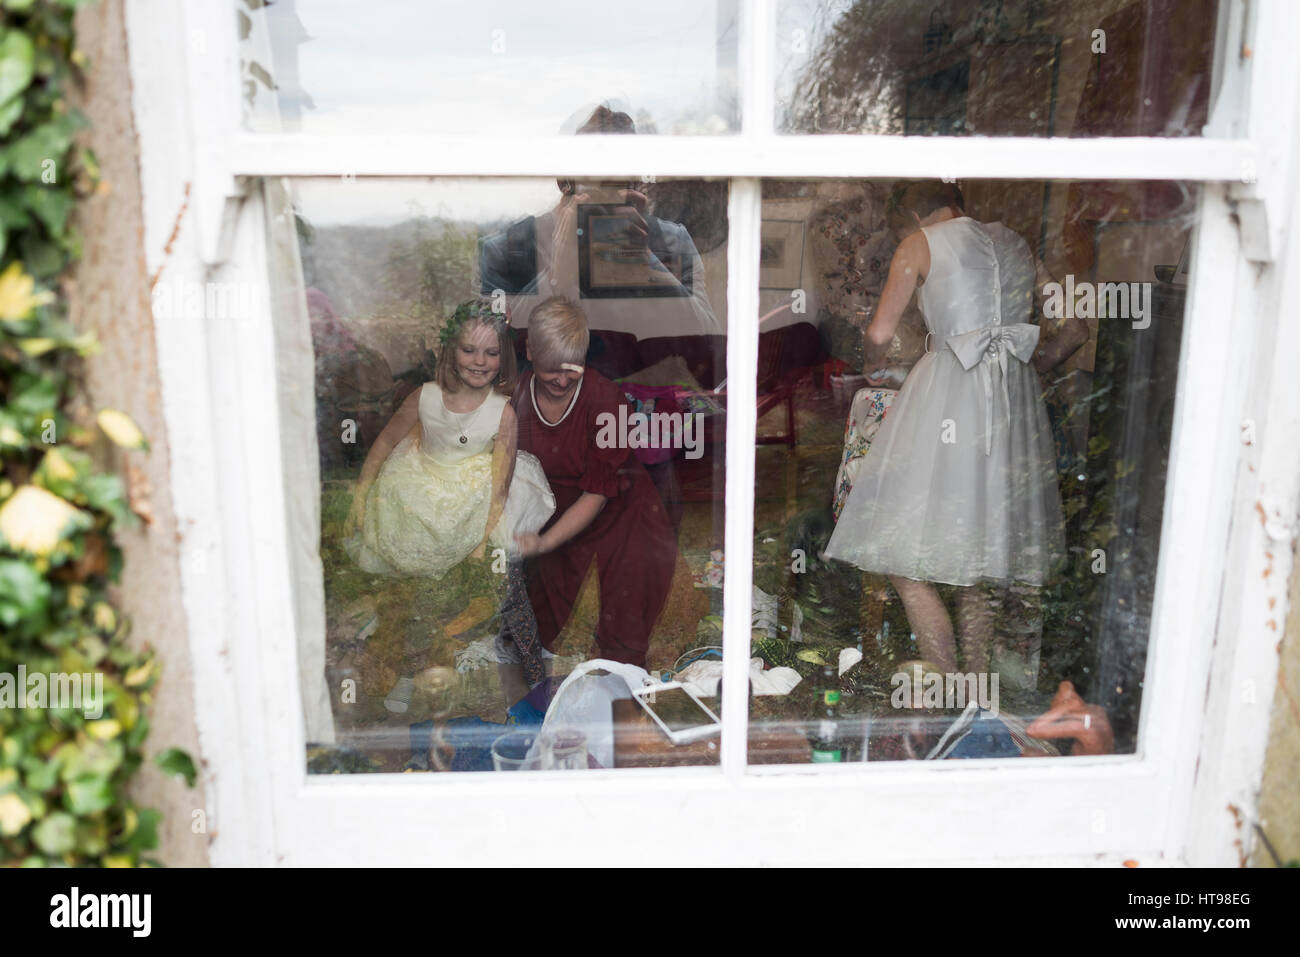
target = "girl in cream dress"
x: 444, y: 482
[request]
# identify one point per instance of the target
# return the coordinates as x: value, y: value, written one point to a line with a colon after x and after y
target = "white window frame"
x: 1201, y: 737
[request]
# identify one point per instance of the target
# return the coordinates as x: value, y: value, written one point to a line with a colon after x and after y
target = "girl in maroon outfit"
x: 606, y: 506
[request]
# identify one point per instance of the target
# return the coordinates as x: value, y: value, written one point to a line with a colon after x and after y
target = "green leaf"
x: 16, y: 56
x: 88, y: 794
x: 176, y: 762
x: 145, y: 835
x: 10, y: 110
x: 24, y: 593
x: 40, y: 774
x: 57, y: 834
x: 51, y: 206
x: 96, y: 758
x: 33, y: 394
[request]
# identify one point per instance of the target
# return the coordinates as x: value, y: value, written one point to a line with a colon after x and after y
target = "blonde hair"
x: 557, y: 333
x: 468, y: 315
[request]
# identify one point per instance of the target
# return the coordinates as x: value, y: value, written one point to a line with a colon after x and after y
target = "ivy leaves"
x: 17, y: 58
x: 39, y: 166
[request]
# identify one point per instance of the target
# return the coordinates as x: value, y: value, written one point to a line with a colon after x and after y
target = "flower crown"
x: 470, y: 309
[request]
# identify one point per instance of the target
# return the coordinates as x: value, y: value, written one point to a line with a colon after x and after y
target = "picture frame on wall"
x: 780, y: 264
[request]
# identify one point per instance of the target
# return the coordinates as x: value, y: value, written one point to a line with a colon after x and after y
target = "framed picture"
x: 623, y: 255
x: 780, y: 258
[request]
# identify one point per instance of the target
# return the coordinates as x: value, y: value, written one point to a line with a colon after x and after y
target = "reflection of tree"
x: 426, y: 274
x: 851, y: 84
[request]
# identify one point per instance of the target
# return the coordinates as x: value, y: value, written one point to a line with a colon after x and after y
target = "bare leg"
x: 975, y: 615
x: 513, y: 685
x: 929, y: 620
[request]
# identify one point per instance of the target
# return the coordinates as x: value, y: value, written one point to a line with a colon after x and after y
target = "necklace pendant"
x: 463, y: 440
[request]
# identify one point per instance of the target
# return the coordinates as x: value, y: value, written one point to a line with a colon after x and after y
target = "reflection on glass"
x: 497, y: 67
x: 955, y: 551
x: 995, y: 67
x: 517, y: 389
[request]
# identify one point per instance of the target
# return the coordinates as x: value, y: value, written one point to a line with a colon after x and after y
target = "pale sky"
x: 508, y: 65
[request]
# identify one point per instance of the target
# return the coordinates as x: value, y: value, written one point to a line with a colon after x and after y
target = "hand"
x: 357, y: 514
x: 888, y: 377
x: 637, y: 200
x: 530, y: 544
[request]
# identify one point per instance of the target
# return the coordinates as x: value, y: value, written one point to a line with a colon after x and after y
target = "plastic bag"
x: 585, y: 701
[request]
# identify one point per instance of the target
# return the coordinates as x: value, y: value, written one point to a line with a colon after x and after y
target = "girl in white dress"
x: 959, y: 485
x: 444, y: 481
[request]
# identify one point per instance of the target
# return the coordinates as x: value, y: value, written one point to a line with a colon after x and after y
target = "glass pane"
x: 995, y: 67
x: 960, y: 481
x: 503, y: 407
x: 496, y: 66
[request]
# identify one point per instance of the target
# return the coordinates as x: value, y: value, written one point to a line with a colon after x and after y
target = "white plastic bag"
x: 586, y: 702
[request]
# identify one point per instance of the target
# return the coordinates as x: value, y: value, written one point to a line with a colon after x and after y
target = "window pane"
x: 970, y: 536
x: 1013, y: 68
x: 496, y: 66
x: 392, y: 301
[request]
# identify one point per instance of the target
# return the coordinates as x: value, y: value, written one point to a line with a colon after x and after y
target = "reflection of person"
x: 607, y: 508
x: 443, y: 480
x: 538, y: 257
x: 959, y: 484
x: 1070, y: 717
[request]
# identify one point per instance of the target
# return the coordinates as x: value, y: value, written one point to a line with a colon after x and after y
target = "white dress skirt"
x: 428, y: 508
x: 959, y: 485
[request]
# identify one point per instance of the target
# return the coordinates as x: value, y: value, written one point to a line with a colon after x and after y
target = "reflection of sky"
x: 399, y: 66
x: 801, y: 26
x: 381, y: 202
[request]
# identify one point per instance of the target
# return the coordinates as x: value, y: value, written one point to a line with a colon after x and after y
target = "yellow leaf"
x: 77, y: 595
x: 8, y: 776
x: 119, y: 427
x: 16, y: 297
x: 104, y: 730
x: 105, y: 617
x: 36, y: 347
x: 34, y: 520
x: 811, y: 656
x: 14, y: 815
x: 127, y: 711
x: 138, y: 676
x: 11, y: 436
x: 116, y: 860
x: 58, y: 467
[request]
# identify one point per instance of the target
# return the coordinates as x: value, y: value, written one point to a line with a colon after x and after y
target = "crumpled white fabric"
x: 476, y: 655
x: 702, y: 677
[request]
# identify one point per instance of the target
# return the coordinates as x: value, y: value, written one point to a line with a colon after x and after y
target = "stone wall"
x: 109, y: 294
